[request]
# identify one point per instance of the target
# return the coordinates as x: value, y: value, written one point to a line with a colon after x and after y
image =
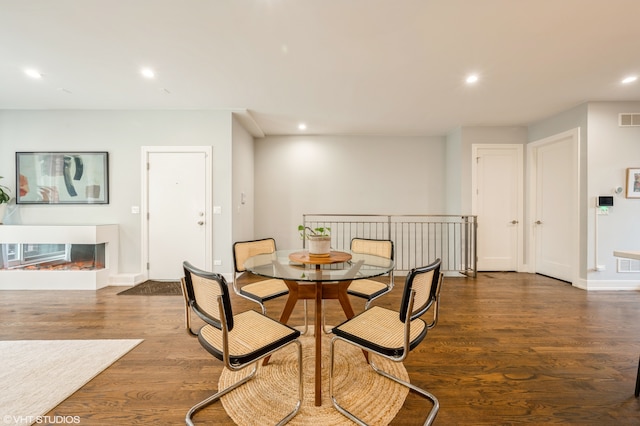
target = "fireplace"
x: 58, y: 257
x: 52, y: 257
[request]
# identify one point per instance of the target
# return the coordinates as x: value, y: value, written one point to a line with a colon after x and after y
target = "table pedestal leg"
x: 317, y: 291
x: 317, y: 329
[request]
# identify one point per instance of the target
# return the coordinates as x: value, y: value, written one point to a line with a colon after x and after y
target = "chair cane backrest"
x: 370, y: 247
x: 424, y: 282
x: 382, y: 248
x: 203, y: 291
x: 242, y: 250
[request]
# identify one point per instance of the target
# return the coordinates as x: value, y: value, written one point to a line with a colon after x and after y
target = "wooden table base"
x: 317, y: 291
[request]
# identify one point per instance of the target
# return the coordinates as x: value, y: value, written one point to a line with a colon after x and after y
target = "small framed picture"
x: 633, y: 183
x: 62, y: 178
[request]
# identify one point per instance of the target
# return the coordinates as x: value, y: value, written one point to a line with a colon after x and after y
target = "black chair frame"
x: 407, y: 316
x: 224, y: 323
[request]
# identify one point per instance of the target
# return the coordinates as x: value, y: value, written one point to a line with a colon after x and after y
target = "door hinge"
x: 147, y: 266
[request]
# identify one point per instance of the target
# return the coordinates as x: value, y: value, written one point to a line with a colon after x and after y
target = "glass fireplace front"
x: 30, y: 256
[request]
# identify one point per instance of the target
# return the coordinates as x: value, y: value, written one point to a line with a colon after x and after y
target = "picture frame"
x: 633, y: 183
x: 62, y: 177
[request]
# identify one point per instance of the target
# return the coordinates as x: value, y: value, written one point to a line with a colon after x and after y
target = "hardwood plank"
x: 509, y: 348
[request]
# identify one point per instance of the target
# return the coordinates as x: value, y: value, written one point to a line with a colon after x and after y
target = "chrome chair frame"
x: 228, y: 363
x: 409, y: 316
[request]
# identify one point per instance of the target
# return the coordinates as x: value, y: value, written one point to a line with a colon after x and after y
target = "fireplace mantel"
x: 22, y: 279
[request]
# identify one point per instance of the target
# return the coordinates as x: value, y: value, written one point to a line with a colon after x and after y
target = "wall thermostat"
x: 605, y: 201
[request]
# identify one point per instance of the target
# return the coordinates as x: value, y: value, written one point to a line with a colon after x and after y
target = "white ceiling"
x: 391, y: 67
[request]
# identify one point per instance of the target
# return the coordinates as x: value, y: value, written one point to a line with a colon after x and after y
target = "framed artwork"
x: 633, y: 183
x: 62, y: 178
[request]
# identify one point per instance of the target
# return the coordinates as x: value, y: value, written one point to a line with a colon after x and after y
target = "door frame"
x: 532, y: 163
x: 144, y: 210
x: 520, y: 201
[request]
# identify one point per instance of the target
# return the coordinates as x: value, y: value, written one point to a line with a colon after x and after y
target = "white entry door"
x: 497, y: 203
x: 554, y: 214
x: 177, y: 210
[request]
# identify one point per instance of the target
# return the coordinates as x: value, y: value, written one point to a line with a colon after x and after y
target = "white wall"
x: 285, y: 177
x: 121, y: 133
x: 243, y: 178
x: 606, y: 152
x: 454, y: 184
x: 295, y: 175
x: 612, y: 149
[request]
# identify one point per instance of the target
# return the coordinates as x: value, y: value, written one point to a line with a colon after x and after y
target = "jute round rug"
x: 272, y: 393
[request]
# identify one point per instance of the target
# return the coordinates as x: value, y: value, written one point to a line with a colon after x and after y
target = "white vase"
x: 319, y: 246
x: 3, y: 209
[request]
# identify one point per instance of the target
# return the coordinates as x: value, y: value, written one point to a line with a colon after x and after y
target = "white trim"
x: 607, y: 285
x: 126, y: 279
x: 532, y: 149
x: 144, y: 208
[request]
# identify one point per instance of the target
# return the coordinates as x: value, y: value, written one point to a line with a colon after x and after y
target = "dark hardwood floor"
x: 509, y: 349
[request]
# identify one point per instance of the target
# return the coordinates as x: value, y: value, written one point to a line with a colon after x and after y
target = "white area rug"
x: 37, y: 375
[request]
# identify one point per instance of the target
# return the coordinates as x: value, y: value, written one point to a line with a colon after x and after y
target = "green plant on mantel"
x: 306, y: 232
x: 4, y: 193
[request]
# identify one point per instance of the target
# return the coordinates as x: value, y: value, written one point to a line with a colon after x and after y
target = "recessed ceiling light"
x: 147, y: 73
x: 33, y: 73
x: 629, y: 79
x: 471, y: 79
x: 302, y: 126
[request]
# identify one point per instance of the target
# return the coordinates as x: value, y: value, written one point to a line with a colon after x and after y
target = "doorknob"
x: 538, y: 222
x: 200, y: 222
x: 514, y: 222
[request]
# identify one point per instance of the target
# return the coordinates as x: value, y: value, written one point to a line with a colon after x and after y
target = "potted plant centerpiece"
x: 319, y: 240
x: 4, y: 199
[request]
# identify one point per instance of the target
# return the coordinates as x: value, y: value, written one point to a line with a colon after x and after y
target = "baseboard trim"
x: 125, y: 279
x: 607, y: 285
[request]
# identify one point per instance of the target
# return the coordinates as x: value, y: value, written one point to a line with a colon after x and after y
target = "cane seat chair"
x: 237, y: 340
x: 266, y: 289
x: 365, y: 288
x: 371, y: 289
x: 393, y: 334
x: 263, y: 290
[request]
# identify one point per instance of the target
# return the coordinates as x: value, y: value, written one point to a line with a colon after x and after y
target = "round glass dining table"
x: 317, y: 278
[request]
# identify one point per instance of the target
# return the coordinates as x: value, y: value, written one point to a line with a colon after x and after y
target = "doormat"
x: 154, y: 288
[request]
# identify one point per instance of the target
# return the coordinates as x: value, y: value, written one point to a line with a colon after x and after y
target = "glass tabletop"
x: 278, y: 265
